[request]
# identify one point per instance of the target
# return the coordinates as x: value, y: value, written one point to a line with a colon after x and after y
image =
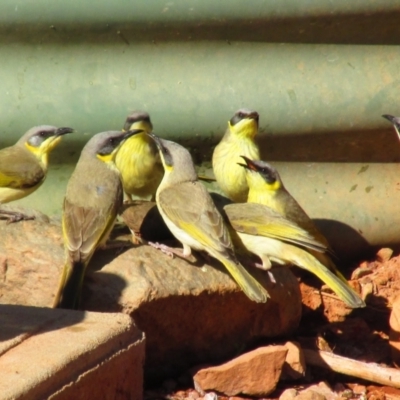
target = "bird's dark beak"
x: 132, y: 132
x: 389, y: 118
x: 254, y: 115
x: 249, y: 164
x: 395, y: 121
x: 63, y: 131
x: 156, y: 140
x: 127, y: 125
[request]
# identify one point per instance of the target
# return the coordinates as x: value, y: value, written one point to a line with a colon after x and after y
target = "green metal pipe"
x: 164, y: 11
x: 191, y: 90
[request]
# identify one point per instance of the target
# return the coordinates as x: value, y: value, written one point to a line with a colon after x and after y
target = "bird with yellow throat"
x: 239, y: 139
x: 23, y: 166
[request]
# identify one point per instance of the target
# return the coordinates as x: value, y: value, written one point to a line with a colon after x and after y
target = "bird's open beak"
x: 249, y: 164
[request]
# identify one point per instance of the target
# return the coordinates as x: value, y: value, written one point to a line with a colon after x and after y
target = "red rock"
x: 394, y: 334
x: 295, y: 364
x: 255, y: 373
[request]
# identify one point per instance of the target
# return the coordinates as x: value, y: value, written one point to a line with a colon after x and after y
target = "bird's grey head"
x: 138, y: 117
x: 175, y: 157
x: 267, y: 171
x: 37, y: 135
x: 105, y: 144
x: 244, y: 113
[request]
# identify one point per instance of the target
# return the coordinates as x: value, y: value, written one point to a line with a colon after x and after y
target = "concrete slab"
x: 63, y: 354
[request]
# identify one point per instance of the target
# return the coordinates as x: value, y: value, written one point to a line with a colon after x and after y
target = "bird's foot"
x: 15, y: 216
x: 269, y: 271
x: 169, y: 251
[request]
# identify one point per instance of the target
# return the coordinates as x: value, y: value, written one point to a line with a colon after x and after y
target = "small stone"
x: 358, y: 389
x: 193, y: 395
x: 322, y: 391
x: 210, y: 396
x: 255, y: 373
x: 384, y: 254
x: 288, y: 394
x: 310, y: 395
x: 295, y: 365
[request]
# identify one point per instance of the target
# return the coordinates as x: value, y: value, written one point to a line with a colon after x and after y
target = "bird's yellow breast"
x: 230, y: 176
x: 139, y: 165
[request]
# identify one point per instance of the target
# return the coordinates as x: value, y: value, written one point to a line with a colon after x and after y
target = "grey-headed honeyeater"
x: 267, y: 189
x: 239, y: 139
x: 138, y: 160
x: 93, y: 197
x: 190, y: 214
x: 23, y: 166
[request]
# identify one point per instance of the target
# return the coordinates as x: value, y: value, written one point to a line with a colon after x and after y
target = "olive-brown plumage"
x: 92, y: 200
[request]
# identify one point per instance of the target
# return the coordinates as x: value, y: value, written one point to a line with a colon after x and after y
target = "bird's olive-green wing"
x: 189, y: 206
x: 19, y: 169
x: 294, y: 212
x: 84, y: 228
x: 259, y: 220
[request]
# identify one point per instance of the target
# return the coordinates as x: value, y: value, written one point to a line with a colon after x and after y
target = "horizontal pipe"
x: 104, y: 11
x: 191, y: 90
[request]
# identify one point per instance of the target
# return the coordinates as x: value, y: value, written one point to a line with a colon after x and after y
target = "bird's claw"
x: 14, y: 216
x: 163, y: 248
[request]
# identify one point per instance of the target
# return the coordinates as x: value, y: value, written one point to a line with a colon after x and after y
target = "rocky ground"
x: 202, y: 333
x: 369, y: 335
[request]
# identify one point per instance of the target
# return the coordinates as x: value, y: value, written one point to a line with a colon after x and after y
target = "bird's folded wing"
x: 189, y: 206
x: 259, y: 220
x: 84, y: 228
x: 18, y: 170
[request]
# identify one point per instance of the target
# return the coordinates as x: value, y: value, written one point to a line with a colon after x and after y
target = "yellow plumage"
x: 238, y: 140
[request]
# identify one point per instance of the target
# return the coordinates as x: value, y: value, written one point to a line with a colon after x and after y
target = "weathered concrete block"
x: 62, y: 354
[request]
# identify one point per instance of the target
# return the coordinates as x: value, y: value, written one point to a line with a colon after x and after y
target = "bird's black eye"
x: 240, y: 115
x: 42, y: 133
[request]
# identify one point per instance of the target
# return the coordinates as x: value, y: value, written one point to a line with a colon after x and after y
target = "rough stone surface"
x: 63, y: 354
x: 288, y: 394
x: 255, y: 373
x: 191, y: 312
x: 295, y: 364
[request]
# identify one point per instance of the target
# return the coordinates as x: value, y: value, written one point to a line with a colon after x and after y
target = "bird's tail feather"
x: 70, y: 286
x: 253, y: 289
x: 337, y: 283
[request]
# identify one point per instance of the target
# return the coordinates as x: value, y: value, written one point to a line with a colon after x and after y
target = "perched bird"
x: 191, y: 216
x: 23, y: 166
x: 93, y: 197
x: 238, y: 140
x: 395, y: 122
x: 267, y: 189
x: 138, y: 160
